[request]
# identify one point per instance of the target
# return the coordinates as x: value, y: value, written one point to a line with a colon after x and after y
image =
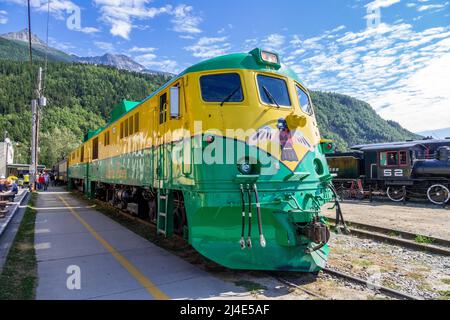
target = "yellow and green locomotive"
x: 228, y: 155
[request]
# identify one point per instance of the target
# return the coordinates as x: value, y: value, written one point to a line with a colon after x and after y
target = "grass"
x: 19, y: 275
x: 446, y: 281
x: 423, y: 239
x: 362, y: 263
x: 445, y: 294
x: 250, y: 286
x: 394, y: 234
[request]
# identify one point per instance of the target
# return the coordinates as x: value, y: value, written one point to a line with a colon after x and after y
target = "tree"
x: 56, y: 144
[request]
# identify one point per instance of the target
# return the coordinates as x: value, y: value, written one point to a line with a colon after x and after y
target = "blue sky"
x: 394, y: 54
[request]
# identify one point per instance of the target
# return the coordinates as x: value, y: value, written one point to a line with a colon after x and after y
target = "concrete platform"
x: 114, y: 263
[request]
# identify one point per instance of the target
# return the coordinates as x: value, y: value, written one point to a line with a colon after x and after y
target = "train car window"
x: 82, y: 154
x: 304, y: 101
x: 130, y: 126
x: 226, y: 87
x: 95, y: 149
x: 273, y: 91
x: 136, y: 122
x: 392, y: 158
x: 121, y: 131
x: 163, y: 108
x: 403, y: 158
x: 125, y: 125
x: 383, y: 159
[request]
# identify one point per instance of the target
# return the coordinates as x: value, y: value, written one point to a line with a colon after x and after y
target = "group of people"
x: 8, y: 185
x: 43, y: 181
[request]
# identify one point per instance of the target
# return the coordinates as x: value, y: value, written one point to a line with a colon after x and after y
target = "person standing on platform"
x: 46, y: 181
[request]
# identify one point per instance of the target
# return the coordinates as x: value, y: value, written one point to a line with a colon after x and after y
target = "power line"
x: 29, y: 34
x: 46, y: 47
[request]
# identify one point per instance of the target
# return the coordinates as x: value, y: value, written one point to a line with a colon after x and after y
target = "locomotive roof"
x: 401, y: 145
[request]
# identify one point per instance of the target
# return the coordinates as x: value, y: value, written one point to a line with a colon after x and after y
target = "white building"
x: 6, y: 155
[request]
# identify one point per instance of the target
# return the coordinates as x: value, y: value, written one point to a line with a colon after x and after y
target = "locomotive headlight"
x: 269, y: 57
x: 245, y: 168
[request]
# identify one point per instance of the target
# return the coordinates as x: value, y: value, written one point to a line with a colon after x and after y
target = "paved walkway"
x: 113, y: 262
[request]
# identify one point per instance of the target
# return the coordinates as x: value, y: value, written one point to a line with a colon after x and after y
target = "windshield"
x: 273, y: 91
x: 221, y: 88
x: 303, y: 99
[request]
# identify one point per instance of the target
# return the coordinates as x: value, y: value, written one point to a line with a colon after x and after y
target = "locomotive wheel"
x: 438, y: 194
x: 396, y: 194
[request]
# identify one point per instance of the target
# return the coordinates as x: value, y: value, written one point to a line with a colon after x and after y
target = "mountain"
x: 438, y: 133
x: 22, y: 35
x: 14, y: 46
x: 119, y: 61
x: 349, y: 121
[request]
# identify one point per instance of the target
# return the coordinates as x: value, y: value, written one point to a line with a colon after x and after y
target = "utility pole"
x: 40, y: 101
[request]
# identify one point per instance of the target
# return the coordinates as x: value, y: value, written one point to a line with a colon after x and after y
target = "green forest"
x: 81, y: 96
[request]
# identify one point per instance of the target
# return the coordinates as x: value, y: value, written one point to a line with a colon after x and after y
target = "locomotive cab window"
x: 226, y: 87
x: 393, y: 158
x: 303, y: 100
x: 403, y: 158
x: 273, y: 91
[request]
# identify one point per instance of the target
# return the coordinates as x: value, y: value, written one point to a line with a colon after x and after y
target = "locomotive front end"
x: 263, y: 177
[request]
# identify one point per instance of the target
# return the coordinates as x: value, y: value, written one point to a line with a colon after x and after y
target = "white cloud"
x: 140, y: 49
x: 382, y: 66
x: 184, y: 21
x: 423, y: 99
x: 208, y: 47
x: 107, y: 46
x: 3, y: 17
x: 432, y: 6
x: 59, y: 9
x: 152, y: 62
x: 274, y: 42
x: 381, y: 4
x: 119, y: 14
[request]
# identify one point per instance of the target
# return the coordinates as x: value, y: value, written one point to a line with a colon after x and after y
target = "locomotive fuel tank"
x: 439, y: 167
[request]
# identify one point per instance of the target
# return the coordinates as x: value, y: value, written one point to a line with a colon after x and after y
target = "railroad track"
x: 382, y: 289
x: 389, y: 292
x: 396, y: 237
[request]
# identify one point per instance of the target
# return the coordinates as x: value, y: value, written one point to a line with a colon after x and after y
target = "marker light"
x: 210, y: 139
x: 245, y: 168
x: 269, y: 57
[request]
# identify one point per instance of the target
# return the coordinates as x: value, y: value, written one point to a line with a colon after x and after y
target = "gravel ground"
x: 417, y: 218
x: 420, y: 274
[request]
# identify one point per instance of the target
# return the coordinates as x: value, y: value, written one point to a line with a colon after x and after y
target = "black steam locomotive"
x: 399, y: 170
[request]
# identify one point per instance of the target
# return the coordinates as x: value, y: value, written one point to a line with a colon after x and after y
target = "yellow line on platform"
x: 142, y: 279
